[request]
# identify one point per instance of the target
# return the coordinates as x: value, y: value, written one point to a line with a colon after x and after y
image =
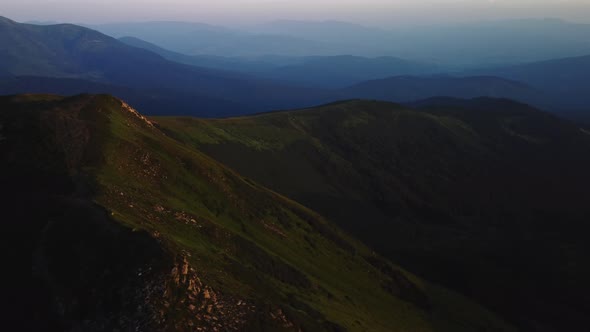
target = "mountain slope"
x: 486, y: 196
x: 135, y: 230
x: 67, y: 50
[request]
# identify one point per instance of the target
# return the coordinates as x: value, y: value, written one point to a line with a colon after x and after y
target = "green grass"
x: 238, y: 211
x: 245, y: 241
x: 461, y: 195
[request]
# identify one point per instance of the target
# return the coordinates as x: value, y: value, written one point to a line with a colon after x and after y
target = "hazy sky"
x: 235, y: 12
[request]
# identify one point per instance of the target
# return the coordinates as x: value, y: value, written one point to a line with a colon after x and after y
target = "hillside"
x: 67, y: 50
x: 134, y: 230
x: 486, y: 196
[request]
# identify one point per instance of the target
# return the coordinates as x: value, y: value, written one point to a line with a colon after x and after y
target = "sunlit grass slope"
x: 231, y: 254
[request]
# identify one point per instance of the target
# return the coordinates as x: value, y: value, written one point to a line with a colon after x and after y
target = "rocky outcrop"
x: 187, y: 303
x: 131, y: 110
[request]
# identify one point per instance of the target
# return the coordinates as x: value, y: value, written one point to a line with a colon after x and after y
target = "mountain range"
x: 299, y: 176
x: 198, y: 38
x: 469, y: 44
x: 69, y: 59
x: 316, y: 71
x: 69, y: 51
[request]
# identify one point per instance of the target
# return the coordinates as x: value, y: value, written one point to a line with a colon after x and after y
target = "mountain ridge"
x: 408, y: 182
x: 209, y: 248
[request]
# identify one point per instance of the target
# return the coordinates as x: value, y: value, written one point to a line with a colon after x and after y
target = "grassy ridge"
x: 466, y: 193
x: 229, y: 235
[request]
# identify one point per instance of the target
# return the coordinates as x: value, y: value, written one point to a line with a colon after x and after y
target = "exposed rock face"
x: 130, y: 109
x: 82, y: 289
x: 93, y: 274
x: 203, y: 308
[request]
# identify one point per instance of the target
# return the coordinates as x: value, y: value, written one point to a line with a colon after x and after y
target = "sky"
x: 239, y: 12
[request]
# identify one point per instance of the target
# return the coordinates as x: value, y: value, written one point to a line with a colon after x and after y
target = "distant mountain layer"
x: 557, y: 86
x: 320, y: 71
x: 486, y: 196
x: 470, y: 44
x: 198, y: 38
x: 344, y: 70
x: 69, y: 51
x: 411, y: 88
x: 560, y: 84
x: 566, y: 79
x: 550, y: 74
x: 132, y: 229
x: 460, y: 45
x: 68, y: 59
